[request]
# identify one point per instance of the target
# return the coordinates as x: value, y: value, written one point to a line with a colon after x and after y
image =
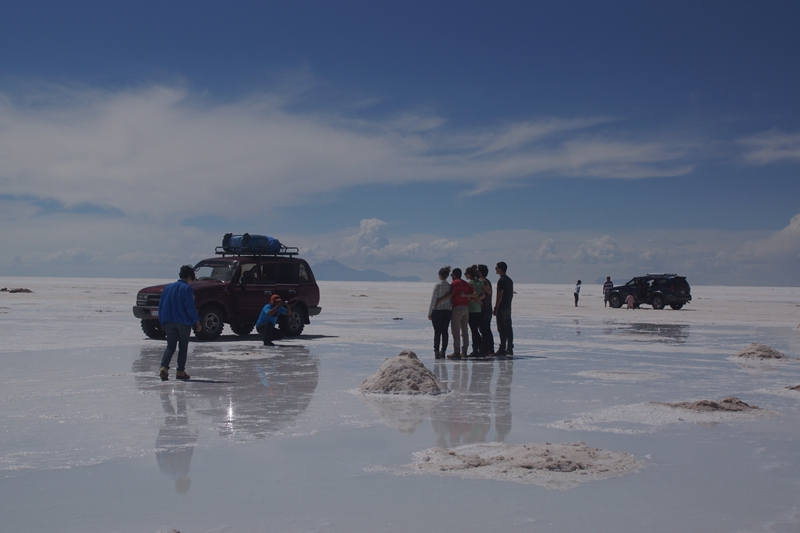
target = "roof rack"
x: 241, y: 251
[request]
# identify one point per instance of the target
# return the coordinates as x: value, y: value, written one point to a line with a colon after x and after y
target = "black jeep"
x: 657, y: 290
x: 234, y: 287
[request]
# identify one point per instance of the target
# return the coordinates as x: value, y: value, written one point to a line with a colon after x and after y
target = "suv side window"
x: 267, y: 273
x: 303, y: 274
x: 288, y: 273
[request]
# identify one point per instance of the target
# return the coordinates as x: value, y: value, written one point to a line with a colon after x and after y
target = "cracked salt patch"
x: 647, y: 417
x: 553, y: 466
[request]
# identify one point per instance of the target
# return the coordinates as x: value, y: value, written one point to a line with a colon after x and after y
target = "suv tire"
x: 676, y: 306
x: 615, y: 300
x: 153, y: 329
x: 658, y: 302
x: 294, y: 323
x: 212, y: 321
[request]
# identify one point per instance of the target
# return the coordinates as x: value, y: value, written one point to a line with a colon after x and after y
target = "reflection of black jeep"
x: 233, y: 288
x: 657, y: 290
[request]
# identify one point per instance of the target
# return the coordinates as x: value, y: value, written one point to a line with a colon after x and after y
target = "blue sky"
x: 569, y: 139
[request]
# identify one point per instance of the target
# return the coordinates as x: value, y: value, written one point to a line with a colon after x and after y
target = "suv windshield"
x: 216, y: 270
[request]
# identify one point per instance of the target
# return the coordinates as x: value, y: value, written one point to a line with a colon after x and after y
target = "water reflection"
x: 176, y: 441
x: 249, y: 394
x: 465, y: 415
x: 665, y: 333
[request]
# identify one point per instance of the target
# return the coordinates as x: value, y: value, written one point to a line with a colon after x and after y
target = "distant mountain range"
x: 334, y: 271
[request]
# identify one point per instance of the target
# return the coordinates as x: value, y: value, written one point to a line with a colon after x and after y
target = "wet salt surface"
x: 280, y: 440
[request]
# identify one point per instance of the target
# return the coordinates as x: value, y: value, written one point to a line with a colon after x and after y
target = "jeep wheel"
x: 615, y: 300
x: 211, y: 320
x: 676, y: 306
x: 242, y: 329
x: 152, y: 328
x: 294, y: 323
x: 658, y: 302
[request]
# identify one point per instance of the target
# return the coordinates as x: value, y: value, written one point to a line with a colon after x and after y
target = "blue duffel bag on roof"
x: 251, y: 244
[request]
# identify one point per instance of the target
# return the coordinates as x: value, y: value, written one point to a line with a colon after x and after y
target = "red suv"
x: 233, y: 288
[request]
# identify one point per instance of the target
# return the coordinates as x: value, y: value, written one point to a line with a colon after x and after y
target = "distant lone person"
x: 177, y: 313
x: 268, y: 319
x: 502, y: 310
x: 607, y: 286
x: 577, y: 292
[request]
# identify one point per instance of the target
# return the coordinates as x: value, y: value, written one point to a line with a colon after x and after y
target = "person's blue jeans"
x: 177, y: 335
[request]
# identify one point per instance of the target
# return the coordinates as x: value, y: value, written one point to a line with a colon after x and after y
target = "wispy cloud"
x: 772, y: 146
x: 162, y: 152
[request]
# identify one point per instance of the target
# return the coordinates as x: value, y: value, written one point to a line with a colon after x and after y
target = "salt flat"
x: 280, y: 440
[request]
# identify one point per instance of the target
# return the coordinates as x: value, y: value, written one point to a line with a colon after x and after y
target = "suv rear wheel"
x: 152, y: 328
x: 676, y: 306
x: 658, y: 302
x: 211, y: 320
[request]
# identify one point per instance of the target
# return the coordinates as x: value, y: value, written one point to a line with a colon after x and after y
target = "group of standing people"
x: 466, y: 306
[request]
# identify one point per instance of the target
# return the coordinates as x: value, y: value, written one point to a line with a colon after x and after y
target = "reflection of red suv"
x: 232, y: 289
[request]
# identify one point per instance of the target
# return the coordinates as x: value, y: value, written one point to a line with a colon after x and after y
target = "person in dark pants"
x: 577, y: 292
x: 440, y: 313
x: 502, y: 310
x: 269, y: 319
x: 177, y: 313
x: 475, y: 302
x: 486, y: 311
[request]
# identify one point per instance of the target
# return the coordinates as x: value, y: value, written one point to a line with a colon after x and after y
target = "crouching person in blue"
x: 177, y: 314
x: 269, y: 318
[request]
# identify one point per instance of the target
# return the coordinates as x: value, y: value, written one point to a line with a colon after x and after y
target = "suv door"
x: 250, y: 294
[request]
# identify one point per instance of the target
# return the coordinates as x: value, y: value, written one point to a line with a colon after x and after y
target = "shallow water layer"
x: 280, y: 440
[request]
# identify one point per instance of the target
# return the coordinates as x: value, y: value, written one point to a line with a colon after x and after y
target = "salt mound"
x: 796, y: 387
x: 404, y: 374
x: 730, y: 404
x: 554, y: 466
x: 760, y: 351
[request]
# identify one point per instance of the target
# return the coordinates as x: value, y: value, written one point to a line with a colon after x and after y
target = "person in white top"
x: 440, y: 313
x: 576, y: 292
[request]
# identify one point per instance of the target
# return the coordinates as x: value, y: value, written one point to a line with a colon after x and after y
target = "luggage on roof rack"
x: 247, y: 244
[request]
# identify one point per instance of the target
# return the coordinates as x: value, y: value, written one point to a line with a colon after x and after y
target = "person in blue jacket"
x: 177, y: 313
x: 268, y: 319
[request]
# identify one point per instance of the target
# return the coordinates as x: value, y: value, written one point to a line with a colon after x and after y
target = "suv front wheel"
x: 211, y: 319
x: 294, y: 323
x: 153, y: 329
x: 615, y: 300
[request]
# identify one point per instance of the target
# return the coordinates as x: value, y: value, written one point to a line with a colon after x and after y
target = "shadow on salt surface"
x: 246, y: 397
x: 648, y: 417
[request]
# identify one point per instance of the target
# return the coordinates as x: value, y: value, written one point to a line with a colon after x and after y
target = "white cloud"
x: 165, y: 153
x: 771, y: 146
x: 547, y: 252
x: 602, y: 250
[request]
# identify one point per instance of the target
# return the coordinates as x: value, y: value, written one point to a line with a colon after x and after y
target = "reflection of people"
x: 502, y: 310
x: 607, y: 286
x: 269, y: 318
x: 440, y: 312
x: 175, y: 442
x: 177, y: 313
x: 502, y: 400
x: 577, y: 292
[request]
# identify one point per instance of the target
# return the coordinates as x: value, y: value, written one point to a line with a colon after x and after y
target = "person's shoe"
x: 181, y: 375
x: 491, y: 353
x: 500, y: 353
x: 164, y: 373
x: 268, y: 343
x: 454, y: 356
x: 510, y: 352
x: 439, y: 355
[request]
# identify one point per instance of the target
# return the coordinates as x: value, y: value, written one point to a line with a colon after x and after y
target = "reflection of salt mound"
x: 760, y: 352
x: 729, y: 404
x: 553, y: 466
x: 404, y: 413
x: 404, y: 374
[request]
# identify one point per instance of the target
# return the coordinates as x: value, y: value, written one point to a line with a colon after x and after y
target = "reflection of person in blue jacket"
x: 269, y: 319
